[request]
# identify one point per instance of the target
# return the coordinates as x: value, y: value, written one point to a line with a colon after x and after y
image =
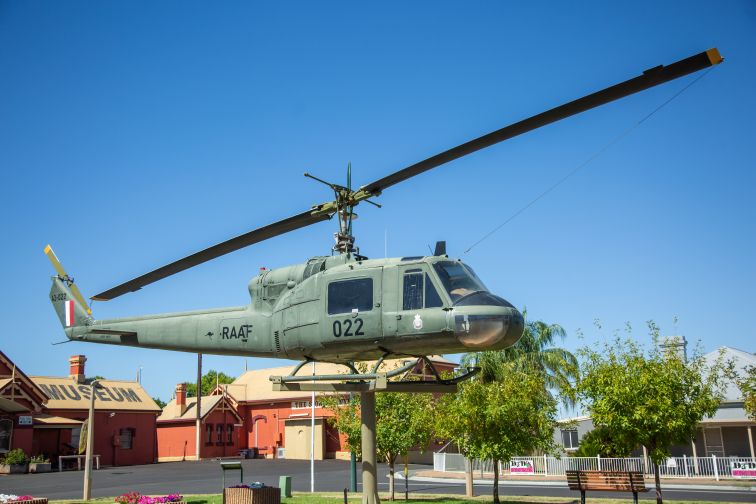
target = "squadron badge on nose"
x: 418, y: 322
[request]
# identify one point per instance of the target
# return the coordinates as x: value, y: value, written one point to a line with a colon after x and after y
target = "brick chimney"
x: 181, y: 397
x: 76, y: 368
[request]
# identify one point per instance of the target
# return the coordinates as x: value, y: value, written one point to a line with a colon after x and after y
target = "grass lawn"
x: 335, y: 498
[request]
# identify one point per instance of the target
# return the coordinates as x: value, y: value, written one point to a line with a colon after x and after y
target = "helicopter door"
x: 419, y: 310
x: 353, y: 306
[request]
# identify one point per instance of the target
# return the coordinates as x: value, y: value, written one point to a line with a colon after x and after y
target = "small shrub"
x: 137, y: 498
x: 39, y: 459
x: 14, y: 457
x: 128, y: 498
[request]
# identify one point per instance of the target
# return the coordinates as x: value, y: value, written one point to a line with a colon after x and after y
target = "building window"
x: 127, y: 438
x: 75, y: 437
x: 348, y: 295
x: 208, y: 433
x: 230, y: 434
x: 570, y: 439
x: 6, y: 429
x: 219, y: 433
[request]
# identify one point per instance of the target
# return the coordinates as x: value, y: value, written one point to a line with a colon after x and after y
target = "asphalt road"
x: 330, y: 476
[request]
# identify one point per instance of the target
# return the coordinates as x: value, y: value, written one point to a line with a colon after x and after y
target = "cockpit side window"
x: 458, y: 279
x: 432, y: 299
x: 418, y: 291
x: 413, y: 290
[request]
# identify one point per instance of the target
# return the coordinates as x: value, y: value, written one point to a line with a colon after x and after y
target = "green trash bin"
x: 284, y: 483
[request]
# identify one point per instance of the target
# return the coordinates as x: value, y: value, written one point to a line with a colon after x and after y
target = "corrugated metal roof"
x: 56, y: 421
x: 172, y: 412
x: 740, y: 360
x: 255, y: 385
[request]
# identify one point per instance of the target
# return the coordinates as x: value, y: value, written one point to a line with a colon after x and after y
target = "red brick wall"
x: 176, y: 440
x: 222, y: 447
x: 107, y: 427
x: 22, y: 437
x: 271, y: 433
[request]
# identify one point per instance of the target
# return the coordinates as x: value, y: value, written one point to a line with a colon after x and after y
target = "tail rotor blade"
x: 62, y: 274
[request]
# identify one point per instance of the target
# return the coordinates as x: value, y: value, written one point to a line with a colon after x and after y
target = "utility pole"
x: 312, y: 436
x: 198, y: 418
x: 352, y: 460
x: 90, y: 441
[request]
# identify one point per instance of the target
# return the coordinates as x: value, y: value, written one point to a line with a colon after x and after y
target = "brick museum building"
x: 248, y: 414
x: 43, y: 415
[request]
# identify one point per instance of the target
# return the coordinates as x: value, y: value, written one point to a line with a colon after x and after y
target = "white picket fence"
x: 712, y: 467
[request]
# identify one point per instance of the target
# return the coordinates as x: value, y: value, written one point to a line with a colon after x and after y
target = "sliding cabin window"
x: 344, y: 296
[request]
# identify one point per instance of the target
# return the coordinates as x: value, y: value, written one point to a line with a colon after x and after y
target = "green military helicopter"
x: 344, y: 307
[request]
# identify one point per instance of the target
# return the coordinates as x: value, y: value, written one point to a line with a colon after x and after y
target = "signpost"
x: 198, y: 413
x: 90, y: 441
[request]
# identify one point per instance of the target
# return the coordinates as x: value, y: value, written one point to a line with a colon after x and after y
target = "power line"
x: 587, y: 161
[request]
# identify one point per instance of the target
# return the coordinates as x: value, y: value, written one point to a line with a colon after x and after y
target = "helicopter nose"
x: 489, y: 328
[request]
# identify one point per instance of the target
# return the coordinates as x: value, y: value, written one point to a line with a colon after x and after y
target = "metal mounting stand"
x: 367, y: 384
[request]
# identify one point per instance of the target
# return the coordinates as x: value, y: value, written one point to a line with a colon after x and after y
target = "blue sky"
x: 134, y: 133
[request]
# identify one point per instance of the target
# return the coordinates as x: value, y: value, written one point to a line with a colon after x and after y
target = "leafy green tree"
x: 652, y: 398
x: 600, y: 441
x: 209, y: 381
x: 534, y: 352
x: 159, y: 402
x: 747, y: 386
x: 500, y: 419
x: 403, y: 421
x: 346, y: 419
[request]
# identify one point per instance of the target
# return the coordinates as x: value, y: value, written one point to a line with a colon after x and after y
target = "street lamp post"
x: 90, y: 441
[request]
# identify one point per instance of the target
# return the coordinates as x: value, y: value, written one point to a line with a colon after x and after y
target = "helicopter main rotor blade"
x: 648, y: 79
x: 277, y: 228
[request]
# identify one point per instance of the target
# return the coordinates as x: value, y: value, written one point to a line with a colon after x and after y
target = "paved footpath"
x: 330, y: 476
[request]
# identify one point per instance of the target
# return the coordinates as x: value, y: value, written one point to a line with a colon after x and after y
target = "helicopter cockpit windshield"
x: 464, y: 286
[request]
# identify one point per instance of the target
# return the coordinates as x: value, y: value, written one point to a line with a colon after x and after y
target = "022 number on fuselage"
x: 345, y: 328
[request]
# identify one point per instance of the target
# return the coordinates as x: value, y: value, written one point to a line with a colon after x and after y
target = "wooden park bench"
x: 607, y: 481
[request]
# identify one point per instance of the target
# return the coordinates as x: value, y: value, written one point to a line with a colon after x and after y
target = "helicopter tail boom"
x: 66, y: 298
x: 71, y: 312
